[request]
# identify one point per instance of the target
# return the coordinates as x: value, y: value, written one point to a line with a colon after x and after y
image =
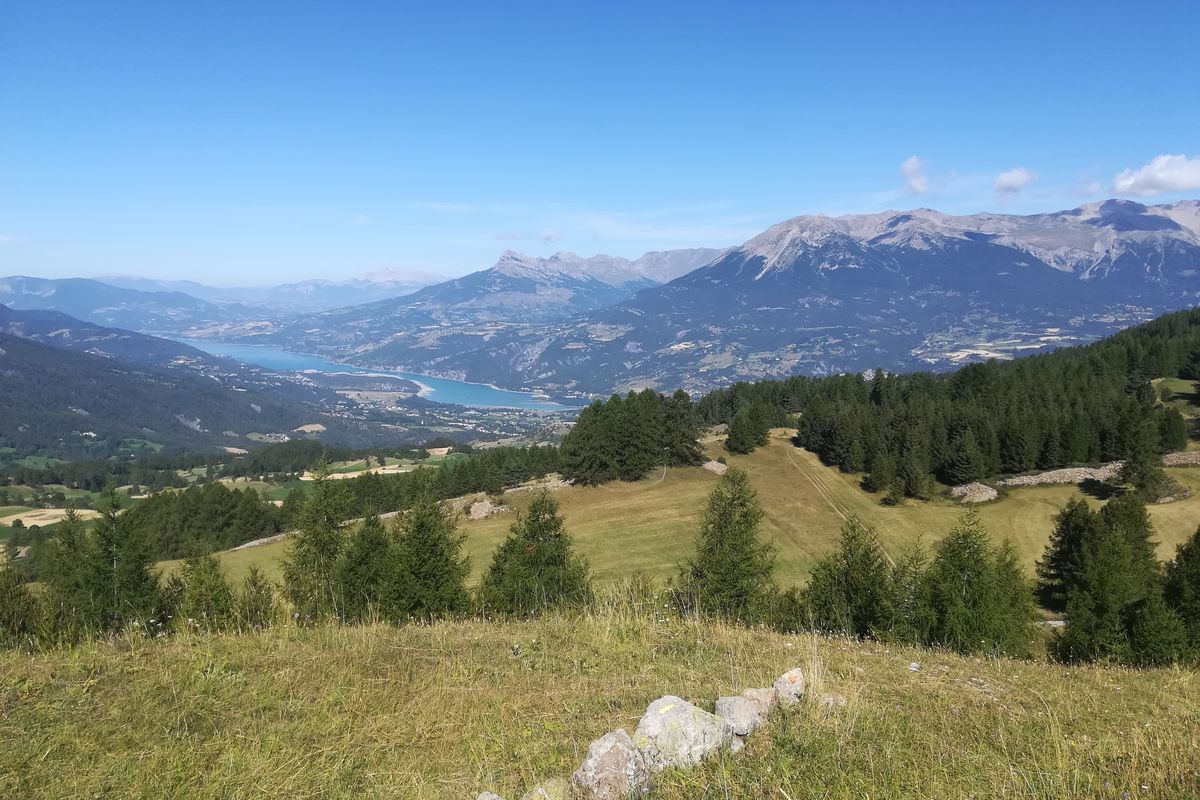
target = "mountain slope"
x: 908, y: 290
x: 446, y: 315
x: 100, y: 303
x: 63, y: 403
x: 302, y: 297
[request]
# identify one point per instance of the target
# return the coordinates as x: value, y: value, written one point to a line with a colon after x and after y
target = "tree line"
x: 1121, y: 605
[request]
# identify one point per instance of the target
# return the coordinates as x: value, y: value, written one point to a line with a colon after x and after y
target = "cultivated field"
x: 648, y: 527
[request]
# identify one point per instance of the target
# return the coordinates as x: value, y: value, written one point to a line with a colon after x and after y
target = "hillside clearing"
x: 649, y: 526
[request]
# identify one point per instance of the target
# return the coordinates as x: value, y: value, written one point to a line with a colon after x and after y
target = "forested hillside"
x: 1072, y: 406
x: 75, y: 405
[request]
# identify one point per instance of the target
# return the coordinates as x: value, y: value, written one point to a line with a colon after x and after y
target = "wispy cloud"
x: 6, y: 239
x: 442, y: 206
x: 1165, y: 173
x: 913, y: 170
x: 550, y: 237
x: 1014, y: 180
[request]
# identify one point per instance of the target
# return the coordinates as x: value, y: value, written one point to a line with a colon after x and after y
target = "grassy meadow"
x: 649, y: 527
x: 455, y: 708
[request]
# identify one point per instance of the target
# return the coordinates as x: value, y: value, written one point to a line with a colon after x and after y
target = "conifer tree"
x: 1173, y: 431
x: 534, y: 569
x: 1063, y: 558
x: 118, y: 574
x: 256, y: 601
x: 432, y: 571
x: 69, y: 604
x: 367, y: 574
x: 20, y: 613
x: 881, y: 475
x: 1142, y: 468
x: 310, y: 567
x: 682, y: 431
x: 967, y: 464
x: 851, y: 589
x: 730, y: 574
x: 913, y: 617
x: 1182, y: 589
x: 978, y: 600
x: 206, y: 603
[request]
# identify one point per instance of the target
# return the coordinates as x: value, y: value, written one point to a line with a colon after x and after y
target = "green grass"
x: 1186, y: 395
x: 141, y: 444
x: 650, y: 526
x: 452, y: 709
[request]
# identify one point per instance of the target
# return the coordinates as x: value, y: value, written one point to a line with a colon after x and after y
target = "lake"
x: 439, y: 390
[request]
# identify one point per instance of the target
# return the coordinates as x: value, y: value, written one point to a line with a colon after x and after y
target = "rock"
x: 553, y: 789
x: 613, y: 770
x: 741, y: 714
x: 764, y: 700
x: 914, y: 666
x: 482, y: 509
x: 1103, y: 473
x: 675, y: 733
x: 974, y: 493
x: 789, y: 687
x: 489, y: 796
x: 716, y: 466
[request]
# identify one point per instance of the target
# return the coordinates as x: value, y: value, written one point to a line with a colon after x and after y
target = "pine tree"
x: 914, y: 616
x: 310, y: 567
x: 851, y: 589
x: 881, y: 476
x: 430, y: 561
x: 1063, y: 558
x: 730, y: 574
x: 1172, y: 431
x: 121, y: 585
x: 69, y: 604
x: 978, y: 600
x: 682, y: 431
x: 743, y: 432
x: 967, y: 464
x: 534, y: 569
x: 206, y: 603
x: 256, y: 601
x: 366, y: 573
x: 1127, y: 515
x: 1182, y: 589
x: 1142, y: 468
x: 20, y: 613
x: 1097, y: 597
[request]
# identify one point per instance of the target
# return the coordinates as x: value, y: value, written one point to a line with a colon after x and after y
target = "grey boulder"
x: 789, y: 687
x: 675, y: 733
x: 613, y: 770
x: 741, y: 714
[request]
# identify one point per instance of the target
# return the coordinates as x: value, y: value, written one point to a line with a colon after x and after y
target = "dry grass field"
x: 649, y: 526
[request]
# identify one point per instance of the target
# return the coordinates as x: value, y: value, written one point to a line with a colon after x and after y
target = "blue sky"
x: 240, y: 143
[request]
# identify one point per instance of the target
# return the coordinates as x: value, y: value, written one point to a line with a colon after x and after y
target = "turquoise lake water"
x: 441, y: 390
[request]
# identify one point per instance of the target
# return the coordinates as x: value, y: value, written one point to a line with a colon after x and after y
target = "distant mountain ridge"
x: 814, y: 294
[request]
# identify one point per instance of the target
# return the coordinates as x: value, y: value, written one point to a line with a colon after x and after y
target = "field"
x: 649, y: 527
x: 452, y: 709
x: 44, y: 516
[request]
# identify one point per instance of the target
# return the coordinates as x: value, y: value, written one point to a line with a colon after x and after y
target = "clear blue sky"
x: 255, y: 142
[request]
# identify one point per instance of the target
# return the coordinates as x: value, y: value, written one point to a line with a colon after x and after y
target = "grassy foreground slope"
x: 650, y: 526
x: 448, y: 710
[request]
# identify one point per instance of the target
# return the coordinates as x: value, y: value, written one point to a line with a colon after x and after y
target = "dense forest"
x: 1073, y: 406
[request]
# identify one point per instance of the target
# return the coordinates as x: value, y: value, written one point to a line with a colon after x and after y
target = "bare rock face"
x: 553, y: 789
x: 716, y: 467
x: 613, y: 770
x: 675, y: 733
x: 789, y: 687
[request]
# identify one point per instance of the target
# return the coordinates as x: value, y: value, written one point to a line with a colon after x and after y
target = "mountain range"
x: 814, y: 294
x: 915, y: 289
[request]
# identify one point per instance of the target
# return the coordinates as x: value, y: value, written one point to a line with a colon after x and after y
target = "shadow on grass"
x: 1100, y: 490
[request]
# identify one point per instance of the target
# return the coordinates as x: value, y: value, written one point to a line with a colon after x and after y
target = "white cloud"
x: 1014, y: 180
x: 549, y: 236
x: 913, y: 170
x: 1166, y: 173
x: 6, y: 239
